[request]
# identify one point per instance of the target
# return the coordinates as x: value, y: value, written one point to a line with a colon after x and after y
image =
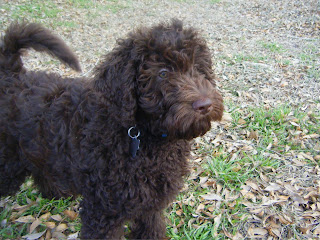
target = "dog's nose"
x: 202, y: 105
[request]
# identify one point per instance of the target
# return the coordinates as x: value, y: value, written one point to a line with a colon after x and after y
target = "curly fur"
x: 71, y: 135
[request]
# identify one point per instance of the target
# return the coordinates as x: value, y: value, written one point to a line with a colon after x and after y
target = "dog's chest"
x: 159, y: 172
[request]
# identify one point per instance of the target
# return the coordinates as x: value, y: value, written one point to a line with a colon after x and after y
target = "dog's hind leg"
x: 12, y: 170
x: 97, y: 222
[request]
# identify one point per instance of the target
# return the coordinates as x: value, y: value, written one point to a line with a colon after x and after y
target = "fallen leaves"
x: 280, y: 202
x: 274, y: 206
x: 45, y: 226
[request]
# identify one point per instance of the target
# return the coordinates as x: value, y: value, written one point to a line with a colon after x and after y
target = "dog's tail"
x: 20, y: 36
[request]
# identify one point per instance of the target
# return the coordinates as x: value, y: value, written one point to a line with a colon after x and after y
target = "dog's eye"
x: 163, y: 73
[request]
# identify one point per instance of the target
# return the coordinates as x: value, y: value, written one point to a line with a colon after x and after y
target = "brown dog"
x: 121, y: 140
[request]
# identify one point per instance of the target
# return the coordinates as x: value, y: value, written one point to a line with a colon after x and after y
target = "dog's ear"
x: 115, y: 78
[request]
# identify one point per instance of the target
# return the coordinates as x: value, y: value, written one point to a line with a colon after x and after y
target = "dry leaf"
x: 61, y: 227
x: 58, y: 235
x: 237, y: 168
x: 75, y: 236
x: 217, y: 221
x: 70, y: 214
x: 253, y: 135
x: 247, y: 194
x: 203, y: 179
x: 25, y: 219
x: 219, y: 188
x: 317, y: 230
x: 259, y: 212
x: 263, y: 177
x: 200, y: 208
x: 45, y: 216
x: 273, y: 187
x: 295, y: 197
x: 285, y: 219
x: 305, y: 230
x: 229, y: 235
x: 34, y: 225
x: 226, y: 118
x: 270, y: 202
x: 57, y: 217
x: 48, y: 235
x: 208, y: 214
x: 312, y: 194
x: 241, y: 121
x: 180, y: 223
x: 314, y: 135
x: 253, y: 185
x: 294, y: 124
x: 212, y: 196
x: 34, y: 235
x: 179, y: 212
x: 50, y: 225
x: 257, y: 232
x: 275, y: 232
x: 237, y: 236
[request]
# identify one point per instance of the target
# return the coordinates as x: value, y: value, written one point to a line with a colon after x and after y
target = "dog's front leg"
x: 150, y: 225
x: 98, y: 224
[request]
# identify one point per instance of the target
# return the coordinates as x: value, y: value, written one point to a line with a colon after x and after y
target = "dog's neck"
x: 134, y: 134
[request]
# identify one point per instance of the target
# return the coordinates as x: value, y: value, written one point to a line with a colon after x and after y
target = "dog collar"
x: 164, y: 135
x: 134, y: 146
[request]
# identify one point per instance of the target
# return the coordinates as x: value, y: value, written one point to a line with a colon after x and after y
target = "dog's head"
x: 161, y: 78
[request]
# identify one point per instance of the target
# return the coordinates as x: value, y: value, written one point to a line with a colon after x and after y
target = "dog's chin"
x: 189, y: 128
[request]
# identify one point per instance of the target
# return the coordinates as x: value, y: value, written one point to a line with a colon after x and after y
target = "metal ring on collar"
x: 129, y: 133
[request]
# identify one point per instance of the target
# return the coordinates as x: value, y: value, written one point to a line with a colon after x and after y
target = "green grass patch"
x: 310, y: 59
x: 81, y: 3
x: 233, y: 173
x: 35, y: 9
x: 249, y: 58
x: 280, y: 126
x: 239, y: 58
x: 181, y: 1
x: 112, y: 5
x: 66, y: 24
x: 273, y: 47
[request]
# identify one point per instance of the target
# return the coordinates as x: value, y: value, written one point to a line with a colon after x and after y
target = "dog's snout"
x: 202, y: 105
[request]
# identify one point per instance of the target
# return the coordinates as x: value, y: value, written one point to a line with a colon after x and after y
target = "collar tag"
x: 135, y: 142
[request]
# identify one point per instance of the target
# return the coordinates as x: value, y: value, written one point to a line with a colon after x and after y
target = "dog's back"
x: 24, y: 97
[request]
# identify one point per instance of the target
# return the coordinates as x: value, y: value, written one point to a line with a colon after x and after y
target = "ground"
x: 256, y: 174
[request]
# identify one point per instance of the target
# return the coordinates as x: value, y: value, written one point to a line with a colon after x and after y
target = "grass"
x: 232, y: 172
x: 239, y: 58
x: 36, y: 9
x: 272, y: 47
x: 310, y: 58
x: 31, y: 204
x: 279, y: 127
x: 67, y: 24
x: 52, y: 13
